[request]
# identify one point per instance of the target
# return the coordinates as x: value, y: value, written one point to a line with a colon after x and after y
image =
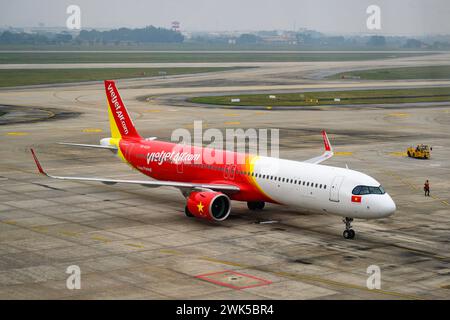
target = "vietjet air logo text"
x: 117, y: 107
x: 177, y: 157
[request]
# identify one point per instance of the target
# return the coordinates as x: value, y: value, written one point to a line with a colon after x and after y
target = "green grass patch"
x: 177, y: 57
x: 21, y: 77
x: 328, y: 97
x: 432, y: 72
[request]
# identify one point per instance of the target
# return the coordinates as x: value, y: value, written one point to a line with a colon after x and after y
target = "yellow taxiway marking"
x: 39, y: 229
x: 69, y: 233
x: 315, y: 279
x: 11, y: 222
x: 89, y: 130
x: 100, y: 239
x: 398, y: 154
x: 17, y: 133
x: 343, y: 153
x: 152, y: 110
x: 399, y: 178
x: 398, y: 115
x: 229, y: 263
x: 439, y: 199
x: 409, y: 183
x: 168, y: 251
x: 414, y: 187
x: 230, y: 123
x: 135, y: 245
x: 231, y: 114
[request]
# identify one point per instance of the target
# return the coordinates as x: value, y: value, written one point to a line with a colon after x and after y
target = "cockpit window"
x: 361, y: 190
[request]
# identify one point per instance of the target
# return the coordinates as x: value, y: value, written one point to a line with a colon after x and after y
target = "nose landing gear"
x: 348, y: 233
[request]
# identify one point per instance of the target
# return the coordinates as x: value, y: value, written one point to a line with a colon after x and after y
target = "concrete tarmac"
x: 136, y: 243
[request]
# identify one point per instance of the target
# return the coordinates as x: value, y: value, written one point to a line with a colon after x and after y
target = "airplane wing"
x: 146, y: 183
x: 326, y: 155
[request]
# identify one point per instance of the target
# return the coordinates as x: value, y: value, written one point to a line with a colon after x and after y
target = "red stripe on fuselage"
x: 173, y: 162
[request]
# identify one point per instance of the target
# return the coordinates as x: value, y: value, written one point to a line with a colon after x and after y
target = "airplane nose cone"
x: 389, y: 206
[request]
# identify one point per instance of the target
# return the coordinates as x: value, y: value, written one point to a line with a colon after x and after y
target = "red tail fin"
x: 122, y: 119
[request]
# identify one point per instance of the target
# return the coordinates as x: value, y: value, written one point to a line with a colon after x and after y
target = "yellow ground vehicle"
x: 422, y: 151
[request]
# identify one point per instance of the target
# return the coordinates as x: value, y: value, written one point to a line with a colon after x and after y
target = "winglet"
x: 328, y: 151
x: 326, y: 142
x: 41, y: 171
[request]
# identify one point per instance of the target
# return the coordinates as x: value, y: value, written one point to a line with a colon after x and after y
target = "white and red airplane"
x: 208, y: 188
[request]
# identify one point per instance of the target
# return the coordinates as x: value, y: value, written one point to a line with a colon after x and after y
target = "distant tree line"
x: 151, y: 34
x: 8, y: 37
x: 123, y: 35
x: 144, y: 35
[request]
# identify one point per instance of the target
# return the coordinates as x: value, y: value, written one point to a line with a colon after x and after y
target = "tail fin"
x: 120, y: 122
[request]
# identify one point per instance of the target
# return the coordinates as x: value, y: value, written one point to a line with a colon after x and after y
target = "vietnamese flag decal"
x: 356, y: 199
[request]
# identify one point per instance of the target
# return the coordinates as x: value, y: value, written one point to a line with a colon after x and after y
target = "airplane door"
x: 334, y: 190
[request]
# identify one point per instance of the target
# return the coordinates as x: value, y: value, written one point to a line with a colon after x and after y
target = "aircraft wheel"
x: 188, y: 213
x: 352, y: 233
x: 349, y: 234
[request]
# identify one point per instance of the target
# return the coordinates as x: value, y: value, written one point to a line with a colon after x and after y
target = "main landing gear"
x: 349, y: 233
x: 256, y: 205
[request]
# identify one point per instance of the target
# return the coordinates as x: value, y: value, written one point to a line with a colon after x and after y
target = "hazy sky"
x: 331, y: 16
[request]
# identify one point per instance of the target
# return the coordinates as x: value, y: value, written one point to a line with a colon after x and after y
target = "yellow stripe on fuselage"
x: 250, y: 166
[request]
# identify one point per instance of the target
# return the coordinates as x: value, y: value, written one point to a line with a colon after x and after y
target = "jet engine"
x: 208, y: 205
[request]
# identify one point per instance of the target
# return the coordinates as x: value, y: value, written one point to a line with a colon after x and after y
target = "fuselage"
x: 305, y: 186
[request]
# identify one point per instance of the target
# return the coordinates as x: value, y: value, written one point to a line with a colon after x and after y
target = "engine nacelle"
x: 209, y: 205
